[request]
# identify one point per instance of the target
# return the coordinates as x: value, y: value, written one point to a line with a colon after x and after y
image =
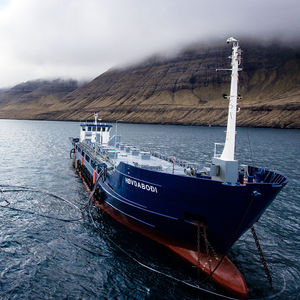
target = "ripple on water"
x: 43, y: 258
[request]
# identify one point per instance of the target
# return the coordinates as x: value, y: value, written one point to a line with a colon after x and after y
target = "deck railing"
x: 216, y: 149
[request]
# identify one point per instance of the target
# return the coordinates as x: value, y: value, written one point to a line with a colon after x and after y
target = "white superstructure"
x: 95, y: 133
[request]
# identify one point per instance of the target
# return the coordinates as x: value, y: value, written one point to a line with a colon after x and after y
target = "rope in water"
x: 89, y: 205
x: 29, y: 189
x: 183, y: 282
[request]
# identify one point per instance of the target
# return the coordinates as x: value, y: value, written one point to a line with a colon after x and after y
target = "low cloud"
x: 82, y: 38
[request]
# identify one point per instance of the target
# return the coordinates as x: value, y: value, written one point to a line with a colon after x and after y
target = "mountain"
x: 27, y: 100
x: 183, y: 89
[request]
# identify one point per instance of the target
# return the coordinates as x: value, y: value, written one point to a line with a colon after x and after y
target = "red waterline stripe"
x: 226, y: 276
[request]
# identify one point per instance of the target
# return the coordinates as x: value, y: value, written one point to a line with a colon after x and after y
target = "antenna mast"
x: 229, y: 148
x: 96, y: 117
x: 225, y: 167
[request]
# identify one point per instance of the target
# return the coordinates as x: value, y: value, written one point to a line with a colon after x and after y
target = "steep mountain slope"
x: 186, y: 89
x: 27, y: 100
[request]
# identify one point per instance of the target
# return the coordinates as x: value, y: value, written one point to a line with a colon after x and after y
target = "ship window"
x: 89, y: 128
x: 94, y: 128
x: 103, y: 128
x: 93, y: 164
x: 87, y: 158
x: 98, y: 128
x: 83, y: 128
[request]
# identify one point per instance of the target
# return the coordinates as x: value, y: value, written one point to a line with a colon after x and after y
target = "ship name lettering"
x: 141, y: 185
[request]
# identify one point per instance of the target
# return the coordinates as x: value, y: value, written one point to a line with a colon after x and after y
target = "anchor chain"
x: 201, y: 233
x: 261, y: 255
x: 213, y: 251
x: 206, y: 247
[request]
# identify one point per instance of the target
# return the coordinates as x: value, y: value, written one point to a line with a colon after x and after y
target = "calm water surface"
x: 43, y: 256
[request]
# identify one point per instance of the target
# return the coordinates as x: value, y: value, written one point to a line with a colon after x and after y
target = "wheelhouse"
x: 94, y: 133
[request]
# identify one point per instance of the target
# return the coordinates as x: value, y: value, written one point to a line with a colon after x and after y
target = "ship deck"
x: 152, y: 162
x: 135, y: 157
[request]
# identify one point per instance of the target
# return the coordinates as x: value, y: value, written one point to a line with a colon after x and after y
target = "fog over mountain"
x: 81, y: 39
x: 182, y: 89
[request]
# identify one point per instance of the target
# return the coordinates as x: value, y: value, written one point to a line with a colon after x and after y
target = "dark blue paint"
x: 227, y: 210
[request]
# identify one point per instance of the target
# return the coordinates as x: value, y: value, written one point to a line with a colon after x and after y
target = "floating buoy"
x: 94, y: 176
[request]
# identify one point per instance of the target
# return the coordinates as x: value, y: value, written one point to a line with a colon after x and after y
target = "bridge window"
x: 89, y: 128
x: 98, y: 128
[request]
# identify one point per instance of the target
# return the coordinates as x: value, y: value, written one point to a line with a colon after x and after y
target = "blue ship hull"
x: 172, y: 204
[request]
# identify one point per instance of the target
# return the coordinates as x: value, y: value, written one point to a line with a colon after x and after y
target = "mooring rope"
x: 3, y: 198
x: 89, y: 205
x: 250, y: 149
x: 155, y: 270
x: 183, y: 282
x: 180, y: 281
x: 30, y: 189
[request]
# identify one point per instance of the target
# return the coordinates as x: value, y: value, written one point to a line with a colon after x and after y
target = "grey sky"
x: 83, y: 38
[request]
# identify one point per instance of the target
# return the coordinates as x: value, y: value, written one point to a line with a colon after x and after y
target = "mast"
x: 94, y: 133
x: 229, y: 148
x: 96, y: 118
x: 225, y: 167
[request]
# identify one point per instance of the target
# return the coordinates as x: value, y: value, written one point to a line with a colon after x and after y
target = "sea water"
x: 51, y: 249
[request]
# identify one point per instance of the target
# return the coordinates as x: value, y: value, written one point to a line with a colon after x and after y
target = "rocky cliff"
x: 29, y: 99
x: 185, y: 89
